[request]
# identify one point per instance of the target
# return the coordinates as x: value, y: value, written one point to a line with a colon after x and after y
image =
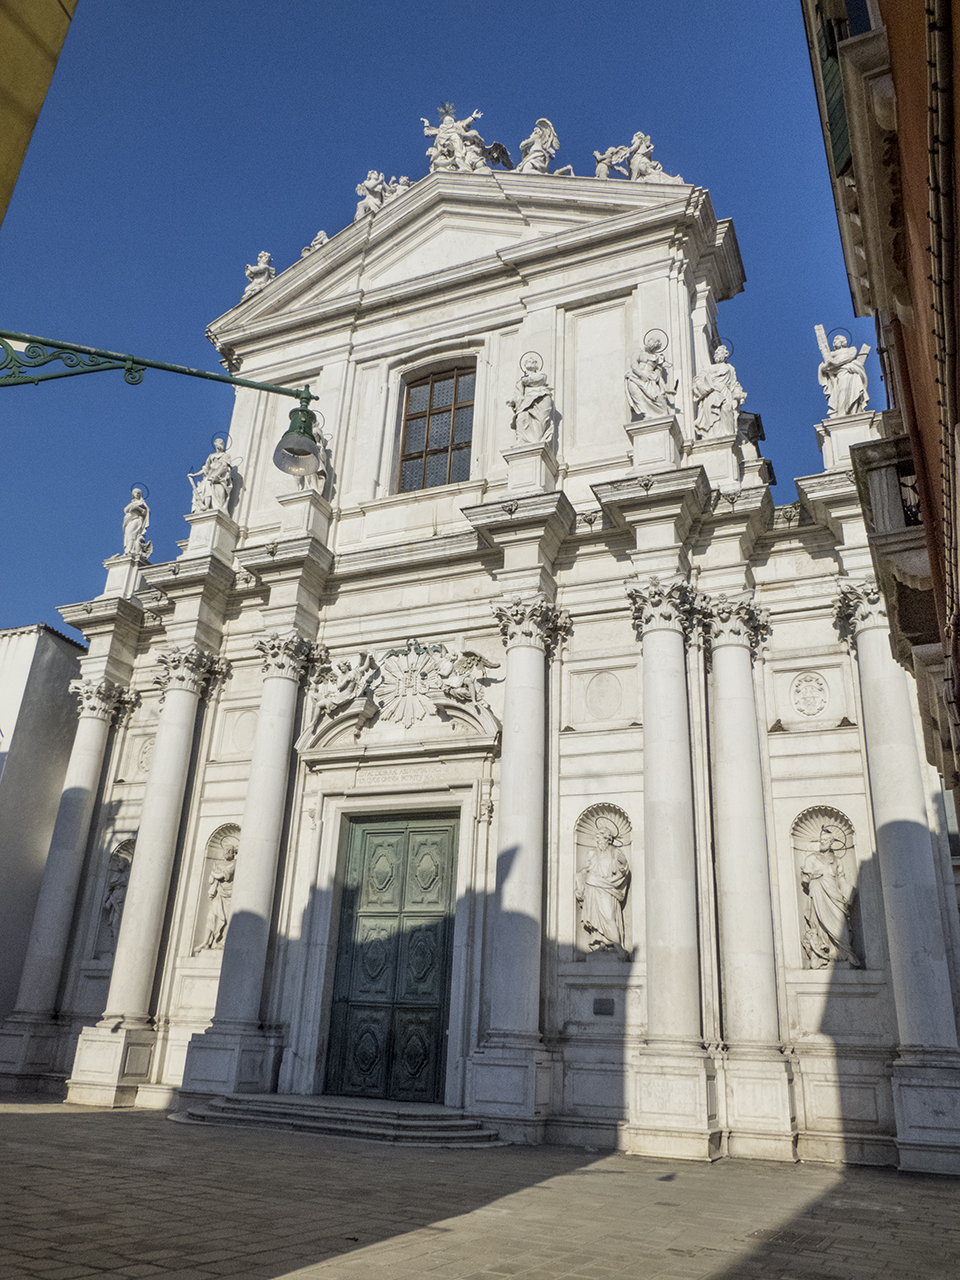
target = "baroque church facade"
x: 527, y: 760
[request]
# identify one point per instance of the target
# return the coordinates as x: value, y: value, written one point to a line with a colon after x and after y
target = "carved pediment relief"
x: 426, y: 687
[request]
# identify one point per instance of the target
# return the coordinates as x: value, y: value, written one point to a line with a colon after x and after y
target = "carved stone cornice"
x: 861, y: 606
x: 532, y: 621
x: 189, y: 669
x: 670, y: 604
x: 99, y: 699
x: 285, y: 655
x: 735, y: 620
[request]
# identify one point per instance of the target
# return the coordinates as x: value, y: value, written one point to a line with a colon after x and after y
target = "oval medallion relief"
x: 809, y: 693
x: 603, y: 696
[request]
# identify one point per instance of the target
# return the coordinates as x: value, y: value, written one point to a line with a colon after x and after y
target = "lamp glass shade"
x: 297, y: 454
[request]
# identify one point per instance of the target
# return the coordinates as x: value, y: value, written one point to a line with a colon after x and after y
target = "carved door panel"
x: 392, y: 986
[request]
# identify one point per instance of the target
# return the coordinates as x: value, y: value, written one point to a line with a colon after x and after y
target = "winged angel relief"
x: 403, y: 686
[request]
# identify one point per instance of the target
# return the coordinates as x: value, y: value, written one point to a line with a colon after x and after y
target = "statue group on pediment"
x: 457, y: 148
x: 638, y: 157
x: 375, y: 192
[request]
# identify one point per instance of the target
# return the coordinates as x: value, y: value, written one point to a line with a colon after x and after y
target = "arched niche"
x: 602, y: 882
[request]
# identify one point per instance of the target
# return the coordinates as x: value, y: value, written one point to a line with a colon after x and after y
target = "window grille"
x: 437, y: 430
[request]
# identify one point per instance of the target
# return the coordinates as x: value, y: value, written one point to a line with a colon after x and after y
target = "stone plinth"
x: 656, y: 444
x: 836, y: 435
x: 211, y: 533
x: 674, y: 1105
x: 123, y: 575
x: 305, y: 512
x: 719, y: 456
x: 531, y: 468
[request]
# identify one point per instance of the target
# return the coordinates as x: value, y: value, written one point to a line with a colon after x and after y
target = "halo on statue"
x: 225, y: 437
x: 530, y: 356
x: 725, y: 342
x: 653, y: 334
x: 840, y: 329
x: 143, y: 489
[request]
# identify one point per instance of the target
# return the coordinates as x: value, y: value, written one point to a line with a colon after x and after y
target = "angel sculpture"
x: 259, y: 275
x: 643, y: 168
x: 371, y: 192
x: 460, y: 673
x: 601, y: 889
x: 539, y: 149
x: 612, y: 158
x: 341, y: 684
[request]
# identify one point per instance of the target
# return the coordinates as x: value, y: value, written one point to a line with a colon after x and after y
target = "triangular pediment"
x: 447, y: 224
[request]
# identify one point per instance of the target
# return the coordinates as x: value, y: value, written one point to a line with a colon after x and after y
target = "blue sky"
x: 178, y: 140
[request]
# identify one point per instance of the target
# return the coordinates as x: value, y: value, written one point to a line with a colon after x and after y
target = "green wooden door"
x: 392, y: 986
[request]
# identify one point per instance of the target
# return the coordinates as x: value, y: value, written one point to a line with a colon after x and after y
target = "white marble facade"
x: 643, y: 690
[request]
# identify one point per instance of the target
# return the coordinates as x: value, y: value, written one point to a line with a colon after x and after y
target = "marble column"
x: 749, y: 994
x: 512, y: 1055
x: 662, y: 613
x: 113, y: 1058
x: 673, y: 1112
x: 926, y: 1075
x: 758, y: 1079
x: 28, y: 1039
x: 232, y: 1056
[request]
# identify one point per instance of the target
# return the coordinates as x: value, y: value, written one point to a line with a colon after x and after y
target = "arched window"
x: 437, y: 429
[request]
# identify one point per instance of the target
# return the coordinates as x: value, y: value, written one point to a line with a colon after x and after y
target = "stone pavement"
x: 89, y: 1192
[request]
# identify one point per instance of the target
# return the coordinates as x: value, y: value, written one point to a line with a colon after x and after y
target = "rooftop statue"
x: 718, y: 397
x: 136, y: 521
x: 459, y: 149
x: 533, y: 409
x: 612, y: 158
x: 213, y: 483
x: 539, y: 149
x: 643, y: 168
x: 375, y: 191
x: 646, y: 380
x: 260, y: 275
x: 842, y: 375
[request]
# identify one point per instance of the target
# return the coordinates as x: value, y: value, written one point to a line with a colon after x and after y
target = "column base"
x: 111, y: 1065
x: 232, y: 1062
x: 508, y: 1080
x: 760, y: 1110
x: 29, y: 1050
x: 674, y: 1106
x: 926, y: 1103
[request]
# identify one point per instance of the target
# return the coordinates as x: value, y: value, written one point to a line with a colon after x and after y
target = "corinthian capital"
x: 664, y: 605
x: 284, y: 655
x: 531, y: 620
x: 736, y: 620
x: 98, y: 699
x: 190, y: 669
x: 861, y: 605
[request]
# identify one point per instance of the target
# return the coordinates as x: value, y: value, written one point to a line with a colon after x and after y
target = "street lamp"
x: 297, y: 454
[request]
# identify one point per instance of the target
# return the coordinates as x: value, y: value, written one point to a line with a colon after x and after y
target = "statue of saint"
x: 533, y: 412
x: 842, y: 375
x: 136, y: 521
x: 220, y: 891
x: 118, y: 877
x: 718, y: 396
x: 826, y: 937
x: 260, y: 275
x: 643, y: 168
x: 646, y: 380
x: 601, y: 889
x: 459, y: 149
x: 213, y: 483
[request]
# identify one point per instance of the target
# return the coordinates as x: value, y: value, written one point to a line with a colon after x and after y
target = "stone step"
x: 408, y: 1123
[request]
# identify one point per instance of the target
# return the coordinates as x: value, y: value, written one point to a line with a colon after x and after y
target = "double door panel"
x: 392, y: 984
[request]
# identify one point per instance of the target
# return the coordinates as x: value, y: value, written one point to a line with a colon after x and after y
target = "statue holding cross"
x: 842, y: 375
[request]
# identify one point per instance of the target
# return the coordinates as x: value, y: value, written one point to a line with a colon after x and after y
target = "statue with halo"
x: 842, y: 375
x: 213, y: 483
x: 532, y: 419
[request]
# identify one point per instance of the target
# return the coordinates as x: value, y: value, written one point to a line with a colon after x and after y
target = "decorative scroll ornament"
x: 861, y: 605
x: 189, y: 669
x: 17, y: 367
x: 665, y: 605
x: 532, y: 620
x: 737, y: 620
x: 98, y: 699
x: 284, y: 655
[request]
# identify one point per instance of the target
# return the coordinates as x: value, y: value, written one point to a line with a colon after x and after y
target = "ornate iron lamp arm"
x: 17, y: 367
